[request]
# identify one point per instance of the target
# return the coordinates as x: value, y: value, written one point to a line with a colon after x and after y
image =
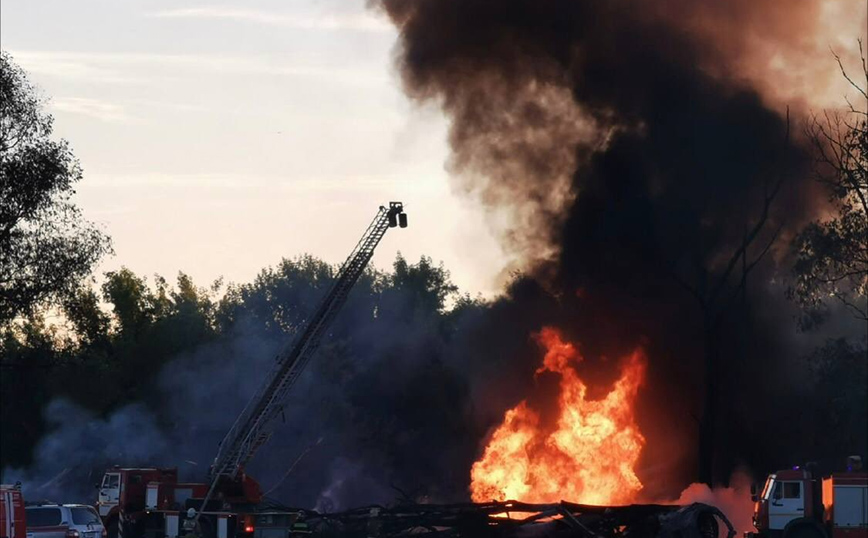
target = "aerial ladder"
x: 257, y: 421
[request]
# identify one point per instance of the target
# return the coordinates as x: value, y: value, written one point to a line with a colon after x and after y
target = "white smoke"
x: 734, y: 501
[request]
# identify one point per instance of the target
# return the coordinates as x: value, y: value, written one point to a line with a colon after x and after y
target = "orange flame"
x: 589, y: 455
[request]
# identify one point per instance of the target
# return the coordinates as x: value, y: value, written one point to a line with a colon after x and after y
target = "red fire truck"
x: 148, y: 502
x: 12, y: 523
x: 151, y: 503
x: 794, y: 503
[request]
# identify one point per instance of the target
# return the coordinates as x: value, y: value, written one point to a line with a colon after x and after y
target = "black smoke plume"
x: 650, y: 186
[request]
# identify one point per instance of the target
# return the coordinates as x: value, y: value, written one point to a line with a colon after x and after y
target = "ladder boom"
x: 256, y: 422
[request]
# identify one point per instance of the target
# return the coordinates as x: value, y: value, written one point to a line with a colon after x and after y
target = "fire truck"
x: 796, y: 503
x: 12, y: 523
x: 151, y: 503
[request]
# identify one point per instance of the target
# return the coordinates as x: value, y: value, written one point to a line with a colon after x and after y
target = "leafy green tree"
x: 132, y: 302
x: 89, y: 323
x: 28, y: 359
x: 185, y: 317
x: 840, y: 393
x: 151, y: 327
x: 426, y: 286
x: 832, y: 253
x: 280, y: 298
x: 46, y: 247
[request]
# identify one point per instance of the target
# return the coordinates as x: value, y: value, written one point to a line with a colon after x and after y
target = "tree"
x: 132, y: 302
x: 832, y: 253
x: 28, y: 357
x: 715, y: 289
x: 425, y: 286
x: 46, y: 247
x: 839, y: 372
x: 280, y: 297
x: 89, y: 323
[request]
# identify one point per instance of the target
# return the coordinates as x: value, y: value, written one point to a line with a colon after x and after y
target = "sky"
x: 218, y: 137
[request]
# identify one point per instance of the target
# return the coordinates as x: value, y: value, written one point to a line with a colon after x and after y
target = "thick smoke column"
x: 631, y: 155
x: 550, y: 100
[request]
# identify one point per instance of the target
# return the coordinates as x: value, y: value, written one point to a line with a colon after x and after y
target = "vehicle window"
x: 42, y: 517
x: 792, y: 490
x: 182, y: 494
x: 135, y: 479
x: 778, y: 493
x: 84, y: 515
x: 111, y: 481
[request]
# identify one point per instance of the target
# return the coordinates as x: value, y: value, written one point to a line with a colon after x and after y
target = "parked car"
x: 63, y: 521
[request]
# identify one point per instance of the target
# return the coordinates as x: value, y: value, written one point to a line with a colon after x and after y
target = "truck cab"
x: 786, y: 496
x: 794, y: 503
x: 121, y: 495
x: 109, y: 492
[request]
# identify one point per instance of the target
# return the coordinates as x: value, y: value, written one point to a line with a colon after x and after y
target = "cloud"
x: 301, y: 185
x: 94, y: 108
x: 102, y: 68
x: 360, y: 22
x: 128, y: 67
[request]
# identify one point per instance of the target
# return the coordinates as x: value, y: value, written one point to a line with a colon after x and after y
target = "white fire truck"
x: 794, y: 503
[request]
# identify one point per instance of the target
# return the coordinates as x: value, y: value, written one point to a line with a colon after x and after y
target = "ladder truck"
x: 151, y: 503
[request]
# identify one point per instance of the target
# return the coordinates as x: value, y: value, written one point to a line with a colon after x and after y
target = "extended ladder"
x: 256, y: 422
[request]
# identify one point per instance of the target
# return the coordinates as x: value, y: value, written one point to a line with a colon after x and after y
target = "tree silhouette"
x: 832, y: 253
x: 46, y: 247
x: 715, y: 290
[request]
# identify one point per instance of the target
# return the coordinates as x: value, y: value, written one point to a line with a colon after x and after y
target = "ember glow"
x: 589, y: 454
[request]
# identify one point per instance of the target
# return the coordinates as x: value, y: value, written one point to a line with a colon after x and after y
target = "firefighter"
x: 190, y: 526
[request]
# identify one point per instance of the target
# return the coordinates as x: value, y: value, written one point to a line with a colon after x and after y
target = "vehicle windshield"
x: 111, y: 481
x: 768, y: 488
x: 84, y: 515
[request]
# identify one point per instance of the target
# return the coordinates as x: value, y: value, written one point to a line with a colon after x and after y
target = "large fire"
x: 588, y: 455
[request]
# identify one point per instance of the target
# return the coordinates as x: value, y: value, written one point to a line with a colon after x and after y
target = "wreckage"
x: 510, y: 519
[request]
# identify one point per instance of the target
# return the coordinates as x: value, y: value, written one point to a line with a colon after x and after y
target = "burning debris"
x: 517, y: 519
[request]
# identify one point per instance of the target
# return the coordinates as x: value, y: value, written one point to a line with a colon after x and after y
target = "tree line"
x: 103, y: 359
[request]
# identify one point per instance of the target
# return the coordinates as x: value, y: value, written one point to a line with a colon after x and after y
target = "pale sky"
x: 217, y: 137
